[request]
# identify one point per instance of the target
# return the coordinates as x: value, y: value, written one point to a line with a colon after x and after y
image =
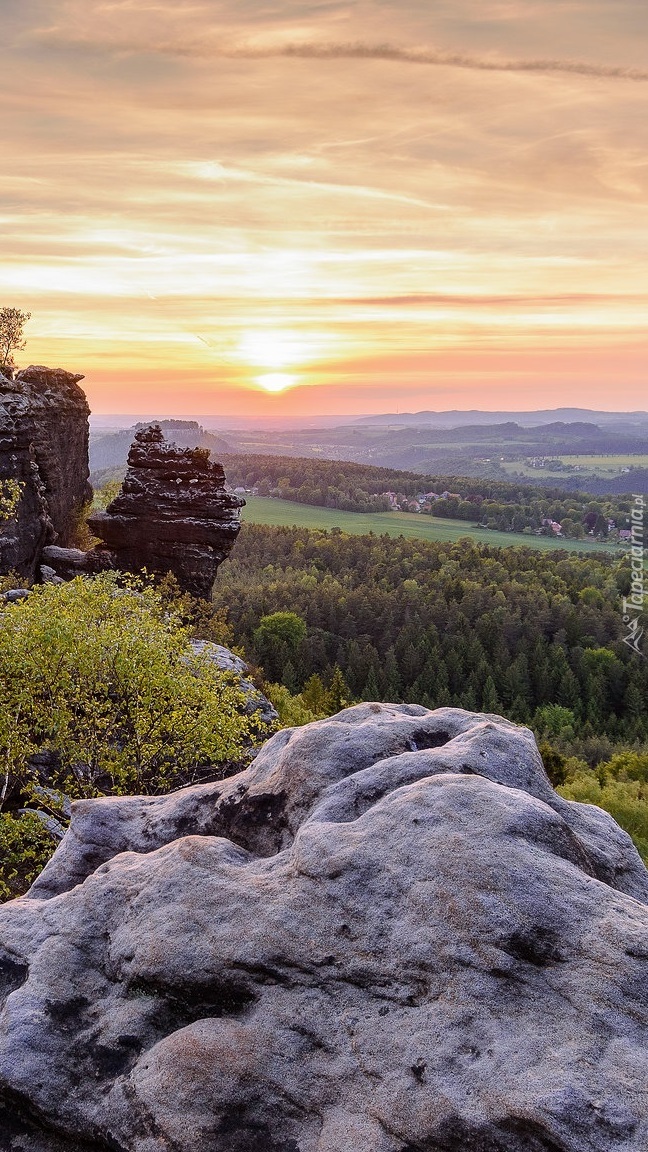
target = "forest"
x: 514, y: 507
x: 538, y: 638
x: 105, y: 695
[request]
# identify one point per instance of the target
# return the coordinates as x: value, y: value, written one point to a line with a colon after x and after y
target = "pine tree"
x: 490, y: 700
x: 371, y: 690
x: 338, y: 695
x: 392, y: 676
x: 314, y: 694
x: 289, y: 676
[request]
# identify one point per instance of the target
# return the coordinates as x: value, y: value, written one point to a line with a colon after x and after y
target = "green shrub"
x: 626, y: 801
x: 25, y: 848
x: 314, y: 702
x: 100, y: 673
x: 10, y: 495
x: 293, y: 711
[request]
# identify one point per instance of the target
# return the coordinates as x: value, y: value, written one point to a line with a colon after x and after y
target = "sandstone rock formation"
x: 43, y: 446
x: 256, y: 704
x: 171, y: 515
x: 110, y: 451
x: 388, y: 934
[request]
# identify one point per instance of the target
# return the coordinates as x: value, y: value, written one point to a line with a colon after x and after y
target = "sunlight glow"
x: 272, y: 349
x: 276, y: 381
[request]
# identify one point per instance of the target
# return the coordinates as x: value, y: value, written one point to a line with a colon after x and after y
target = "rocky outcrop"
x: 388, y: 934
x: 110, y: 451
x: 172, y: 514
x: 256, y: 703
x: 44, y: 447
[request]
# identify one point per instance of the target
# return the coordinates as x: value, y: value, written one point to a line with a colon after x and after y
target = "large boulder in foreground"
x: 389, y: 934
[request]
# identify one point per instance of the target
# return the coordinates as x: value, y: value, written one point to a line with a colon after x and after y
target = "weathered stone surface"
x: 172, y: 514
x: 14, y: 594
x: 387, y: 935
x: 66, y: 563
x: 255, y: 702
x: 44, y: 446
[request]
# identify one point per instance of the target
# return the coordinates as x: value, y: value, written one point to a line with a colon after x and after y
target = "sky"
x: 259, y: 208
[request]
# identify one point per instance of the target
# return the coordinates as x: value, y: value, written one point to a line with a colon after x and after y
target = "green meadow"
x: 592, y: 465
x: 286, y: 513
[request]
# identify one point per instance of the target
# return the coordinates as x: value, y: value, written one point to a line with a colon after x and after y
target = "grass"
x: 593, y: 465
x: 286, y: 513
x: 623, y: 461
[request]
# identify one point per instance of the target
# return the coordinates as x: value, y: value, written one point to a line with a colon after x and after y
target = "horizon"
x: 300, y: 211
x: 139, y: 417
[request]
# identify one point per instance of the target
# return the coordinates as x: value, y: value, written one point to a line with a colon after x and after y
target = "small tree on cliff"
x: 12, y: 323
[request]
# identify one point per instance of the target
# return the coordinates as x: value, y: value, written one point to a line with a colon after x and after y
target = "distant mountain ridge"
x: 111, y: 450
x: 476, y: 447
x: 458, y: 418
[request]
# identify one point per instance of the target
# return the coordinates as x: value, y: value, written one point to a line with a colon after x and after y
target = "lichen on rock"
x: 388, y: 934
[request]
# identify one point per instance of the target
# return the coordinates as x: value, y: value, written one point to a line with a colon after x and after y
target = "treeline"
x: 508, y: 507
x: 252, y: 470
x: 538, y: 638
x: 324, y: 483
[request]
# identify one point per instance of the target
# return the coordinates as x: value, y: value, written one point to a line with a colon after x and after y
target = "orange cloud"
x: 192, y: 185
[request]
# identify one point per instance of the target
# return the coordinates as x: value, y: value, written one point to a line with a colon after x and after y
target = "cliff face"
x: 44, y: 446
x: 172, y: 514
x: 388, y: 934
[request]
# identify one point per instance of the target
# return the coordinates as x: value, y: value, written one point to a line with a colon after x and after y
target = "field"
x: 260, y: 510
x: 603, y: 466
x: 606, y: 463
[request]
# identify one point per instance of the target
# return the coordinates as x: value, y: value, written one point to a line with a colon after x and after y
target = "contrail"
x: 360, y: 51
x: 351, y: 50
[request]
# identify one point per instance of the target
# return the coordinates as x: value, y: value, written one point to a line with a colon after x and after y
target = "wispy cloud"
x: 208, y: 48
x: 447, y: 191
x: 360, y: 51
x: 426, y: 299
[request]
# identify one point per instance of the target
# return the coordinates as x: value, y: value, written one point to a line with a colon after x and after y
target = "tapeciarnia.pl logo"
x: 633, y: 604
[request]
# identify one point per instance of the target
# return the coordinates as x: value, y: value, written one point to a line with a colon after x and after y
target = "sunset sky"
x: 260, y: 208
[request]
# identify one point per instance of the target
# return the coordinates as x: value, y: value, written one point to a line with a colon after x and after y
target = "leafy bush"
x: 12, y: 579
x: 10, y: 494
x: 314, y: 702
x: 293, y: 712
x: 626, y: 801
x: 100, y: 674
x: 202, y: 620
x: 25, y: 848
x: 80, y: 535
x: 619, y: 785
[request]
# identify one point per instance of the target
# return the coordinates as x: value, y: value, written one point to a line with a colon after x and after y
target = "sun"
x: 277, y: 359
x: 276, y: 381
